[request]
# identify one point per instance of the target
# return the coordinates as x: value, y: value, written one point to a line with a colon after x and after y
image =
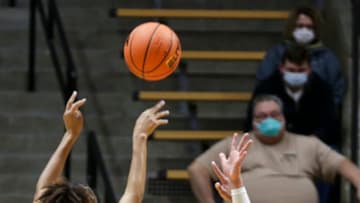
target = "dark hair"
x: 296, y: 54
x: 308, y: 11
x: 65, y: 192
x: 267, y: 97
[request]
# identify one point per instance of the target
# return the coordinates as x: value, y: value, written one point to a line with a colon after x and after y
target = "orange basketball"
x: 152, y: 51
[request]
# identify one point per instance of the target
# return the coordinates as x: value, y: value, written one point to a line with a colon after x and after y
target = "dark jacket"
x: 314, y: 113
x: 323, y: 62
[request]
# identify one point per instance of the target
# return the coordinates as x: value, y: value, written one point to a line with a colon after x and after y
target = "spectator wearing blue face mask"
x: 280, y: 166
x: 303, y: 28
x: 308, y: 105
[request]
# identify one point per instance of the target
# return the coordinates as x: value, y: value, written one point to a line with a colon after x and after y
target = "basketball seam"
x: 147, y: 49
x: 130, y: 49
x: 167, y: 54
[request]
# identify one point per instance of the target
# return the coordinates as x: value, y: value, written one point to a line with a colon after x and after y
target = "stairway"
x: 31, y: 123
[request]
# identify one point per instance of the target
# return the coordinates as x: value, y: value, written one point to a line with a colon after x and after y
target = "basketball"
x: 152, y: 51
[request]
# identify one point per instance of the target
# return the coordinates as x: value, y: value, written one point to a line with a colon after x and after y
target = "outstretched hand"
x: 150, y: 119
x: 73, y: 118
x: 230, y: 175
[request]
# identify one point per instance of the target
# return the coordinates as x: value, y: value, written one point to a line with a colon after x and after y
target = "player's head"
x: 65, y: 192
x: 303, y: 25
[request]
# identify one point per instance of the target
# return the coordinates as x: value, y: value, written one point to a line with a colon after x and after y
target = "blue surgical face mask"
x: 295, y: 79
x: 269, y: 127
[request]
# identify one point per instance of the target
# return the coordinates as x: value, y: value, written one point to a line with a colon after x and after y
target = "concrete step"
x: 116, y: 125
x: 13, y: 18
x: 11, y: 80
x: 92, y: 63
x: 32, y: 105
x: 22, y: 184
x: 190, y: 40
x: 16, y: 197
x: 34, y: 147
x: 97, y: 19
x: 118, y: 162
x: 228, y: 25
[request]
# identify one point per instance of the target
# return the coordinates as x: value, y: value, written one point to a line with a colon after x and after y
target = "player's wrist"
x: 236, y: 184
x: 139, y: 136
x: 238, y: 190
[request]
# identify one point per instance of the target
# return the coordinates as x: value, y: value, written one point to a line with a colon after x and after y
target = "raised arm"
x: 73, y: 121
x: 145, y: 125
x: 230, y: 185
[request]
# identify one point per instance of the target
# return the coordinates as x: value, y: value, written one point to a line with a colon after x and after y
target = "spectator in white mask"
x: 303, y: 28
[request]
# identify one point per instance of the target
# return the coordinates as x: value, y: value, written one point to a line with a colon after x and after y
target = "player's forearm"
x: 350, y: 172
x: 135, y: 187
x: 55, y: 166
x: 201, y: 183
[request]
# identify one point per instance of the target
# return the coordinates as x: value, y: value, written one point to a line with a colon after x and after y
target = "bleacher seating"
x: 192, y: 96
x: 200, y: 13
x: 196, y: 97
x: 191, y: 134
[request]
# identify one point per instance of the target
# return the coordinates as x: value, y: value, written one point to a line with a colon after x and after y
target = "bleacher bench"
x: 200, y: 13
x: 223, y: 55
x: 192, y: 96
x: 184, y: 135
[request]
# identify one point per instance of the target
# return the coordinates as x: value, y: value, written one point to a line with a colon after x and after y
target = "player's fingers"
x: 157, y: 106
x: 77, y: 105
x: 243, y: 140
x: 219, y: 174
x: 162, y: 114
x: 238, y: 161
x: 242, y: 156
x: 222, y: 192
x: 162, y: 122
x: 223, y: 159
x: 247, y: 146
x: 233, y: 142
x: 71, y: 100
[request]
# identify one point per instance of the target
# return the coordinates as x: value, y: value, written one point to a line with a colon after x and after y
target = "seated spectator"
x: 308, y: 105
x: 303, y: 28
x: 281, y: 166
x: 51, y: 187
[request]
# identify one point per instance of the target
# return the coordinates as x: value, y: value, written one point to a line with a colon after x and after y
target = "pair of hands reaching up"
x: 230, y: 175
x: 145, y: 124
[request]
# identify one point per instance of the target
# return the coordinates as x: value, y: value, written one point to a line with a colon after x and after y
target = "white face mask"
x: 295, y: 79
x: 303, y: 35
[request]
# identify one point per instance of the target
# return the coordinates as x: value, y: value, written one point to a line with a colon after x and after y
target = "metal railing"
x: 95, y: 161
x: 53, y: 27
x: 11, y: 3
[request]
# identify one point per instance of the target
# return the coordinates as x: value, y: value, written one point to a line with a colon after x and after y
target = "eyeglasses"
x: 262, y: 115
